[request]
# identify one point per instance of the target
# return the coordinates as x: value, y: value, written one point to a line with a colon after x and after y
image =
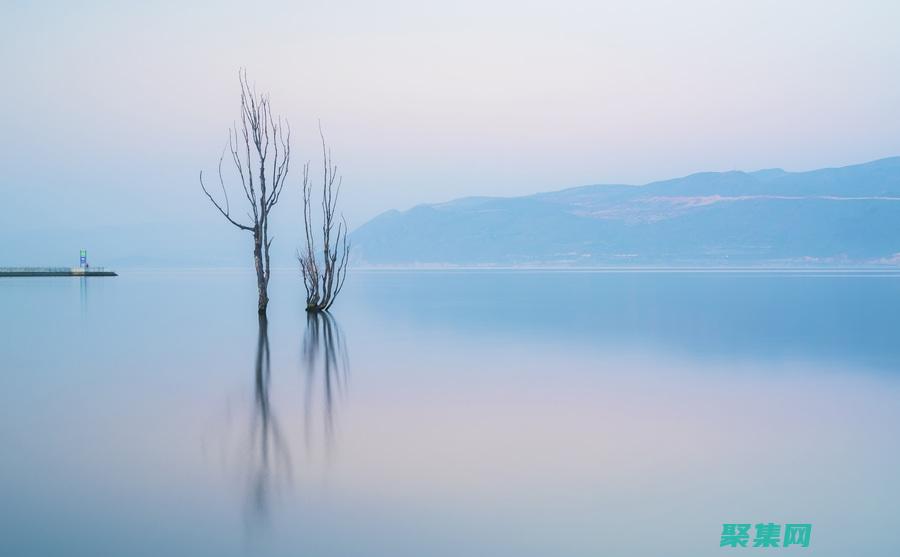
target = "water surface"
x: 448, y: 413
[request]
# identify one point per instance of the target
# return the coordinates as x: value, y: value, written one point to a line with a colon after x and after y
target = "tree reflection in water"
x: 270, y: 466
x: 325, y: 368
x: 324, y: 355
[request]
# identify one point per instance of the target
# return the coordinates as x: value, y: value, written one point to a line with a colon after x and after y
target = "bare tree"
x: 323, y: 276
x: 262, y: 174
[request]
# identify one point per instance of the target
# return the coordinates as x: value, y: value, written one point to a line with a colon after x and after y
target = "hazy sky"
x: 110, y: 109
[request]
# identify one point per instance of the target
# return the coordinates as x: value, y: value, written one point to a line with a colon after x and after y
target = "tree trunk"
x: 261, y: 283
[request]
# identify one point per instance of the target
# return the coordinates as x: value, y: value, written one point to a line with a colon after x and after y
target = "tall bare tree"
x: 323, y: 274
x: 261, y: 153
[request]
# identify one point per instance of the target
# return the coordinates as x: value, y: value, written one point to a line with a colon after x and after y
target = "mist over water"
x: 448, y: 413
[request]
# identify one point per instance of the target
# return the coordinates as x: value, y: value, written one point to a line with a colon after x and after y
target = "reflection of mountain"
x: 828, y: 216
x: 823, y: 317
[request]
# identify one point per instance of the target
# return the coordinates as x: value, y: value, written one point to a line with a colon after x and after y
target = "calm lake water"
x: 449, y: 414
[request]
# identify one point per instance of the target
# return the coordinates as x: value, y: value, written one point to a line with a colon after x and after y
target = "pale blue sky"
x: 109, y: 111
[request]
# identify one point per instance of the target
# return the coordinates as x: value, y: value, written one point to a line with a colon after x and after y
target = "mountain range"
x: 827, y: 217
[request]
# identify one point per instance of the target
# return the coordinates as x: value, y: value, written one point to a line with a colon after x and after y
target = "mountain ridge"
x: 832, y: 216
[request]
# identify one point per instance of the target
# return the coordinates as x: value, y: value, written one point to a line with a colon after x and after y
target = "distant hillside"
x: 832, y: 216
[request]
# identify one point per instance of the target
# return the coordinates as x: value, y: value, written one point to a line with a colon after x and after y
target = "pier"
x: 83, y: 270
x: 56, y: 272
